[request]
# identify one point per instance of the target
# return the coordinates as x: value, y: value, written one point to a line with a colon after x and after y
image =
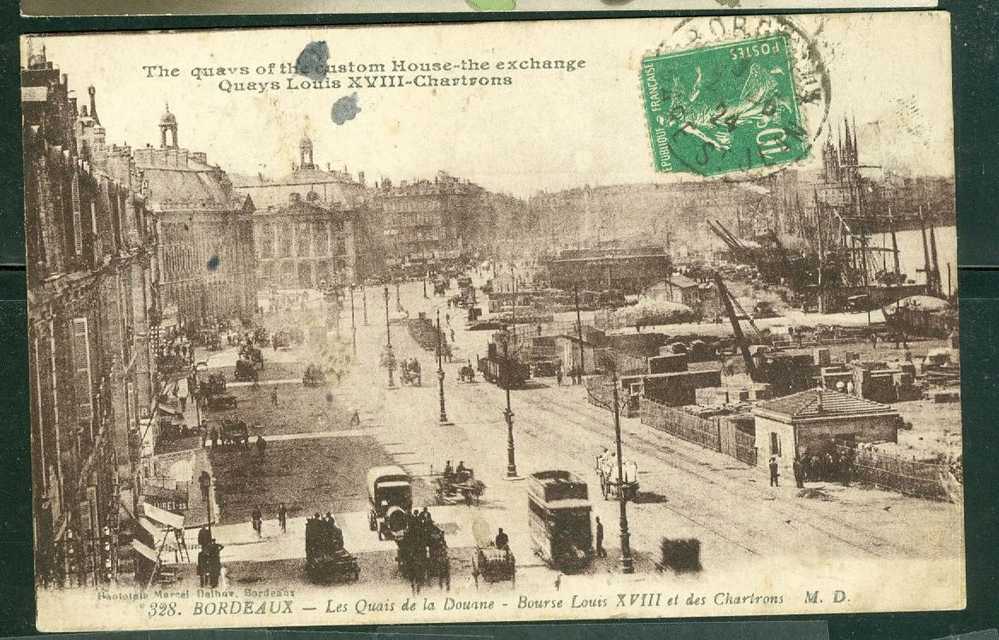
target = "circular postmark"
x: 740, y: 96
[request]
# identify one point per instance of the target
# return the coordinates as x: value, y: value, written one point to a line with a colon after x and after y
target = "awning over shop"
x: 162, y: 516
x: 144, y: 551
x: 166, y: 409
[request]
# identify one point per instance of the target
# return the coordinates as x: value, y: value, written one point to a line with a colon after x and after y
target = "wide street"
x: 316, y: 461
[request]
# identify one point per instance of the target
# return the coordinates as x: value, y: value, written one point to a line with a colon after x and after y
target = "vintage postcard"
x: 595, y: 319
x: 341, y: 7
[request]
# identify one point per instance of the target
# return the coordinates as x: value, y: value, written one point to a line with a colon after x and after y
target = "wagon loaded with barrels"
x: 494, y: 565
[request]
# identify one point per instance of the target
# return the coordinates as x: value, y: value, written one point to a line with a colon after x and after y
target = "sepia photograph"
x: 590, y: 319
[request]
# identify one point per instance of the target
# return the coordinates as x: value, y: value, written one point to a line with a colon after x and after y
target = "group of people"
x: 322, y: 535
x: 457, y: 474
x: 209, y: 559
x: 830, y: 465
x: 420, y: 528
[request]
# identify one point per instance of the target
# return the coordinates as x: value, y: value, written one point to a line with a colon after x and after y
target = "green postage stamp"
x: 724, y: 108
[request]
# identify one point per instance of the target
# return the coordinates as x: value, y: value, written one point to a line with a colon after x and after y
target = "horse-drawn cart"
x: 326, y: 560
x: 610, y: 487
x: 216, y: 397
x: 456, y: 487
x: 234, y: 433
x: 493, y: 565
x: 423, y: 556
x: 314, y: 376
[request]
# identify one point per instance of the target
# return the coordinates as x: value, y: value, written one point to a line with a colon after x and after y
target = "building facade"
x: 428, y: 219
x: 205, y: 231
x: 303, y: 245
x: 306, y: 225
x: 625, y: 270
x: 92, y: 303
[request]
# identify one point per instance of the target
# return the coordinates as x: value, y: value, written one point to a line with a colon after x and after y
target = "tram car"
x: 559, y: 518
x: 502, y: 370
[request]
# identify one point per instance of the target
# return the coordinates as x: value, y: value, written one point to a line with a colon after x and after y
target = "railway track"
x: 656, y: 447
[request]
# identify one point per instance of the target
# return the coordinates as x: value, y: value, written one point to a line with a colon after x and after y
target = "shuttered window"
x: 82, y: 382
x: 77, y: 219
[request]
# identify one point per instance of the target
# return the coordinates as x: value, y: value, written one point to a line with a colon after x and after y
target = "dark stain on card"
x: 345, y: 108
x: 311, y: 63
x: 213, y: 263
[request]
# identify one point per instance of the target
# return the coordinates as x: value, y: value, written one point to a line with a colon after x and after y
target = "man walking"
x: 258, y: 521
x: 774, y: 471
x: 261, y: 446
x: 601, y: 552
x: 796, y: 468
x: 205, y: 482
x: 283, y: 518
x: 274, y: 399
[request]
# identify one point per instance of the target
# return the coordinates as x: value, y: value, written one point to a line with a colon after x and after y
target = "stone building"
x: 301, y: 244
x: 428, y: 219
x: 205, y: 230
x: 92, y: 301
x: 622, y: 269
x: 804, y: 422
x: 310, y: 225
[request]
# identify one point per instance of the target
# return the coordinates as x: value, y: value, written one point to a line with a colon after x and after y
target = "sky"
x: 546, y: 131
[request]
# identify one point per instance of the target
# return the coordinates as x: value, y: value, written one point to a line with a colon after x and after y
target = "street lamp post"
x: 353, y: 324
x: 388, y: 342
x: 398, y: 304
x: 511, y: 463
x: 364, y: 301
x: 627, y: 562
x: 440, y: 372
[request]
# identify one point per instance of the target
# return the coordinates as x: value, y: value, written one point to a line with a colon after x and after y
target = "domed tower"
x: 305, y: 153
x: 168, y: 123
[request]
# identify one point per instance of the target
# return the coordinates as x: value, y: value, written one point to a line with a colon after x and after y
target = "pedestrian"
x: 774, y: 471
x: 274, y: 399
x: 355, y: 419
x: 258, y: 521
x: 205, y: 482
x: 214, y: 563
x: 874, y: 340
x: 261, y: 445
x: 283, y: 518
x: 601, y: 552
x: 798, y: 477
x: 849, y: 387
x: 215, y: 437
x: 204, y: 537
x: 558, y: 375
x: 203, y: 578
x: 203, y: 430
x: 502, y: 540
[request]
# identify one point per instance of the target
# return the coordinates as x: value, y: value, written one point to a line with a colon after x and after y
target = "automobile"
x: 390, y: 500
